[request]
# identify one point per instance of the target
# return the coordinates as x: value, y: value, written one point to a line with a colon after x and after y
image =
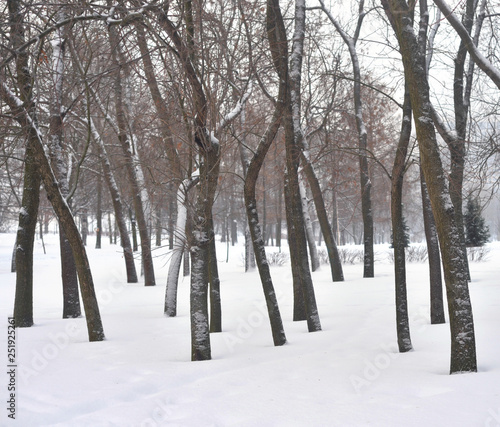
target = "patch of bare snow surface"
x: 349, y: 374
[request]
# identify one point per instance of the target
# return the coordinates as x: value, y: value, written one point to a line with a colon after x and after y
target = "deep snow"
x: 349, y: 374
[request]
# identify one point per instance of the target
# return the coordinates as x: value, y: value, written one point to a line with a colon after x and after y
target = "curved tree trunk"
x: 463, y: 346
x: 131, y: 162
x: 251, y: 175
x: 61, y: 208
x: 118, y: 207
x: 295, y: 220
x: 179, y: 248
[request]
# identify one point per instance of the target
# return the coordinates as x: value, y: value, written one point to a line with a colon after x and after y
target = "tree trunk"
x: 84, y: 225
x: 62, y: 211
x: 118, y: 207
x: 180, y: 245
x: 326, y: 229
x: 252, y: 170
x: 295, y: 220
x: 434, y: 258
x: 398, y: 233
x: 23, y: 304
x: 132, y: 164
x: 71, y: 297
x: 158, y: 224
x: 311, y: 242
x: 463, y: 348
x: 98, y: 231
x: 364, y: 175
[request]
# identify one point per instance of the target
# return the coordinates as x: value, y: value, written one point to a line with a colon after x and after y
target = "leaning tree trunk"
x: 118, y: 207
x: 252, y: 170
x: 433, y: 256
x: 398, y: 234
x: 61, y: 209
x: 131, y: 162
x: 463, y: 347
x: 326, y: 229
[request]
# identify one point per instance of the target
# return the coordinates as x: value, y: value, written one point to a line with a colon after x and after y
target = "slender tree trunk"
x: 158, y: 224
x: 326, y: 229
x: 398, y: 233
x: 296, y: 234
x: 71, y: 297
x: 98, y: 231
x: 311, y: 242
x: 463, y: 347
x: 84, y: 225
x: 118, y: 207
x: 365, y: 182
x: 215, y: 298
x: 252, y: 170
x: 23, y: 304
x: 131, y: 161
x: 434, y: 258
x: 110, y: 229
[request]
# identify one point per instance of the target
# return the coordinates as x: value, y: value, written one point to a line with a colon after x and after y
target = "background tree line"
x: 174, y: 122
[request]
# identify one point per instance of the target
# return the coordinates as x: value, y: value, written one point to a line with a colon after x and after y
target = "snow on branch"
x: 491, y: 71
x: 236, y: 111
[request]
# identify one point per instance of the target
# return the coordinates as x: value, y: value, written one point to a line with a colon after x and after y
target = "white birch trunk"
x: 178, y: 250
x: 313, y: 251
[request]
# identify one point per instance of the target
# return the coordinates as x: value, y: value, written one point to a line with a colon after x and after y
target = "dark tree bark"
x: 251, y: 176
x: 201, y: 230
x: 61, y: 208
x: 23, y: 304
x: 131, y: 159
x: 215, y: 298
x: 118, y: 208
x: 326, y: 229
x: 398, y: 234
x: 434, y: 257
x: 71, y: 297
x: 295, y: 220
x: 98, y: 231
x: 412, y: 49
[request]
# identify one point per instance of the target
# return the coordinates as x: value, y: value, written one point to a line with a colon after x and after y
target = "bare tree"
x: 412, y: 48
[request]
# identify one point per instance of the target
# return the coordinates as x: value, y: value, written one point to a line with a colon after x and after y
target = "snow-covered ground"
x: 349, y: 374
